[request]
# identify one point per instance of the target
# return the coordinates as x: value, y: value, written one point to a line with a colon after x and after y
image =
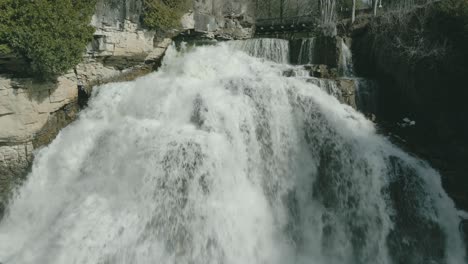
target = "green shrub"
x: 163, y: 14
x: 5, y: 49
x: 51, y: 35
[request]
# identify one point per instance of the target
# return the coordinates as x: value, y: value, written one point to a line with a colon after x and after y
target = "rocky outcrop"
x: 25, y: 104
x: 221, y: 19
x: 127, y: 39
x: 114, y: 13
x: 343, y: 89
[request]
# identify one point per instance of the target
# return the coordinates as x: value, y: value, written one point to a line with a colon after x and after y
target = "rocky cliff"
x: 226, y: 19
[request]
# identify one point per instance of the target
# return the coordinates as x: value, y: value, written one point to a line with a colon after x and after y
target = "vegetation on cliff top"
x: 51, y: 35
x: 163, y: 14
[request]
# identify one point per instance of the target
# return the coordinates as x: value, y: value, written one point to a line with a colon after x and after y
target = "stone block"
x: 66, y: 90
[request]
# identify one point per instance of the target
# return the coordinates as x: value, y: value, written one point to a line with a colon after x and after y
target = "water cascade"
x: 306, y: 52
x: 346, y: 60
x: 276, y: 50
x: 219, y: 158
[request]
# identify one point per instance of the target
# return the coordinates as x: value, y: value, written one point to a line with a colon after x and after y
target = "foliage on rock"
x: 163, y: 14
x: 51, y: 35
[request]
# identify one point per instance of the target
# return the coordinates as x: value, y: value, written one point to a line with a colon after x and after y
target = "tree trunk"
x: 374, y: 6
x: 269, y: 9
x: 281, y: 10
x: 297, y: 8
x: 353, y: 12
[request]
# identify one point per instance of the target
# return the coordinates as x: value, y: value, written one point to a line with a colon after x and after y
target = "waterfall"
x: 276, y: 50
x: 346, y: 60
x: 219, y: 158
x: 328, y: 17
x: 306, y: 52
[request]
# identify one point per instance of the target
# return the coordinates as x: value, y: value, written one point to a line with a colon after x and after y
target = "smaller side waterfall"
x: 346, y: 60
x: 276, y: 50
x: 306, y: 52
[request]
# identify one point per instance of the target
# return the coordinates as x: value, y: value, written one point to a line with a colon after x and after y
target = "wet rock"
x: 348, y: 91
x: 344, y: 90
x: 321, y: 71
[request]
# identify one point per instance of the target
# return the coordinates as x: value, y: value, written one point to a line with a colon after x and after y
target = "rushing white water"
x: 306, y: 52
x: 218, y: 158
x: 273, y: 49
x: 346, y: 60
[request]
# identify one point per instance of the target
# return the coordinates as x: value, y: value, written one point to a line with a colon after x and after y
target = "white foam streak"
x: 346, y: 60
x: 276, y: 50
x: 307, y: 51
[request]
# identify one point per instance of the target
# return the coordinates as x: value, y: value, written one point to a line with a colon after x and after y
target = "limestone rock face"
x: 158, y: 51
x: 127, y: 40
x: 188, y: 20
x: 26, y: 104
x: 112, y: 13
x: 92, y: 71
x: 220, y: 8
x: 343, y: 89
x: 224, y: 19
x: 348, y: 89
